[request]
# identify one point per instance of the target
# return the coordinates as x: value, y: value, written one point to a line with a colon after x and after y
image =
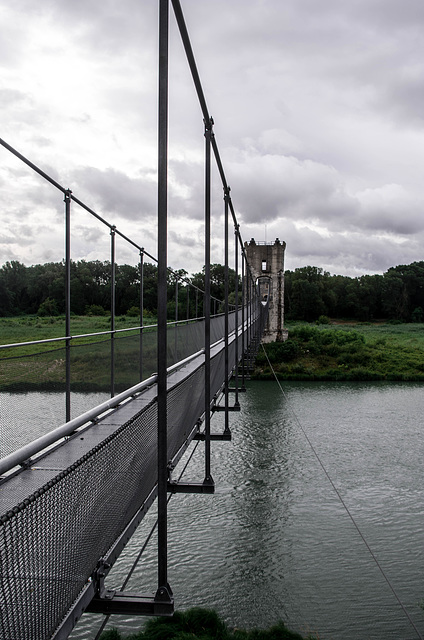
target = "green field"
x: 29, y: 328
x: 343, y: 351
x: 42, y: 366
x: 337, y: 351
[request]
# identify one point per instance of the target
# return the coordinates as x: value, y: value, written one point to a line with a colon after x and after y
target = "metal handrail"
x: 23, y: 454
x: 102, y: 333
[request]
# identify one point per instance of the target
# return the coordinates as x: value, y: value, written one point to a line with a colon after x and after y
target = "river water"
x: 275, y: 542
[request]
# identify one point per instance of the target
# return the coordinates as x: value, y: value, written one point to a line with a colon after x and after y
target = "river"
x: 275, y: 542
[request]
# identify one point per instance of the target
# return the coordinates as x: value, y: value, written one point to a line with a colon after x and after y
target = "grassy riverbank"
x: 344, y: 351
x: 203, y: 624
x: 337, y: 351
x: 42, y: 366
x: 29, y: 328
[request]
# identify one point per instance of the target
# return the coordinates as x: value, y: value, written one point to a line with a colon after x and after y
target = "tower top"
x: 253, y: 242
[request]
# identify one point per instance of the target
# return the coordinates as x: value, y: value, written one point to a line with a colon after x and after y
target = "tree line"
x: 310, y: 292
x: 39, y: 289
x: 396, y: 295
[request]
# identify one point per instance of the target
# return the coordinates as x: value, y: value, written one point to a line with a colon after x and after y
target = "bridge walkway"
x: 69, y: 513
x: 72, y: 499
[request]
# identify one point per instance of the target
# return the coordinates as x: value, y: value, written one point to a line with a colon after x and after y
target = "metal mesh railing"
x: 52, y: 540
x: 33, y: 389
x: 62, y: 513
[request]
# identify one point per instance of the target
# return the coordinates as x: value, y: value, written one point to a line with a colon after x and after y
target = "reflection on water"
x: 274, y: 542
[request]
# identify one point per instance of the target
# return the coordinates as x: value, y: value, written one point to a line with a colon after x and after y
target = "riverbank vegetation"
x: 345, y: 351
x: 398, y: 294
x: 355, y: 345
x: 309, y: 292
x: 332, y: 350
x: 203, y: 624
x: 40, y: 289
x: 29, y: 328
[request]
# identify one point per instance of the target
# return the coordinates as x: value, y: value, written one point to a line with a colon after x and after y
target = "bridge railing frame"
x: 244, y: 345
x: 164, y: 589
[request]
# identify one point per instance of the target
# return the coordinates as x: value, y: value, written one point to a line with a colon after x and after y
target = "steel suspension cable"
x: 342, y: 501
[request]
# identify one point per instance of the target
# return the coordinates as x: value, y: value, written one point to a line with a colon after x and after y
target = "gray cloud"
x: 318, y: 111
x: 116, y: 193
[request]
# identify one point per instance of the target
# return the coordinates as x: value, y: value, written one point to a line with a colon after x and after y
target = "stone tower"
x: 266, y: 262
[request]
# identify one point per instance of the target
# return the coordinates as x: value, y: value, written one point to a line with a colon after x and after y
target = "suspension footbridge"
x: 72, y: 498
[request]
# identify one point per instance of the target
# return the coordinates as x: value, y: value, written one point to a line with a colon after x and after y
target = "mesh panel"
x: 185, y: 405
x: 90, y: 366
x: 90, y: 372
x: 184, y: 340
x: 127, y: 361
x: 217, y: 328
x: 149, y: 353
x: 24, y: 373
x: 50, y: 544
x: 217, y: 371
x: 20, y: 377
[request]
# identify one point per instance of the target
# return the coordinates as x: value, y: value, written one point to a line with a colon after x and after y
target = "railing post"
x: 243, y: 320
x: 236, y: 238
x: 176, y: 321
x: 187, y: 340
x: 67, y: 201
x: 141, y: 312
x: 112, y: 311
x: 226, y: 327
x: 164, y: 592
x: 208, y: 135
x: 252, y: 318
x: 249, y: 329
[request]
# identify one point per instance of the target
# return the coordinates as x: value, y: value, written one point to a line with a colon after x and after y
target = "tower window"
x: 263, y: 265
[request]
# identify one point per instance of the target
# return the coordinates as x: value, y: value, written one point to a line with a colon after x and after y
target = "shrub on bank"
x: 279, y: 352
x: 365, y: 352
x: 204, y: 624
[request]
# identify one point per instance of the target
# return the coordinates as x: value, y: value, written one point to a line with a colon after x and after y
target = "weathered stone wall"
x: 266, y: 262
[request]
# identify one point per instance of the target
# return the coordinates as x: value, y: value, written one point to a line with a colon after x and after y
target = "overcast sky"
x: 319, y: 118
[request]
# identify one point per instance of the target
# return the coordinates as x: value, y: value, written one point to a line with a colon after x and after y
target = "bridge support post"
x: 112, y: 311
x: 207, y: 298
x: 68, y: 301
x: 164, y: 593
x: 141, y: 313
x: 236, y: 269
x: 110, y: 601
x: 226, y: 327
x: 243, y: 320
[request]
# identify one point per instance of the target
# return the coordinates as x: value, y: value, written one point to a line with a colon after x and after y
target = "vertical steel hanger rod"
x: 207, y: 305
x: 164, y: 592
x: 112, y: 310
x: 68, y: 302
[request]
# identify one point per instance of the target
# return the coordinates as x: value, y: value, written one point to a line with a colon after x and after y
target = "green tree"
x: 127, y: 292
x: 48, y: 308
x: 304, y: 291
x: 13, y: 276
